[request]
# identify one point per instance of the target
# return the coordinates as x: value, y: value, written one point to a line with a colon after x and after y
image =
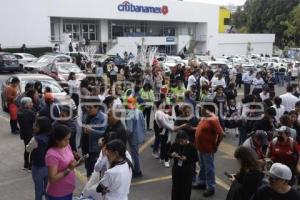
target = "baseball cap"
x: 280, y: 171
x: 283, y: 129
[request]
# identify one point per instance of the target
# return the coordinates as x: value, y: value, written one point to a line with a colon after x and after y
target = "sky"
x: 222, y: 2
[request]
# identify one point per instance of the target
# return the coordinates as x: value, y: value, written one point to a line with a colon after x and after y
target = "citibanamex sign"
x: 126, y: 6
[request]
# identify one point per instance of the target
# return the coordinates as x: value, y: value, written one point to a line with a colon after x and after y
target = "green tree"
x: 270, y: 16
x: 292, y: 27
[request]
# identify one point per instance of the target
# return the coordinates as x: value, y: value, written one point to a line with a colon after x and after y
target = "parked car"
x: 170, y: 61
x: 46, y: 81
x: 119, y: 62
x: 84, y: 55
x: 60, y: 72
x: 9, y: 62
x: 45, y: 60
x: 214, y: 65
x: 25, y: 58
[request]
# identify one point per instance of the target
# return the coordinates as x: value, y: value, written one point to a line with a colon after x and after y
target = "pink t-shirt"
x: 61, y: 158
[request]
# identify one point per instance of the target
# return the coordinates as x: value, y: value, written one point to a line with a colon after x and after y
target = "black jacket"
x: 116, y: 131
x: 245, y: 185
x: 26, y: 119
x: 46, y: 111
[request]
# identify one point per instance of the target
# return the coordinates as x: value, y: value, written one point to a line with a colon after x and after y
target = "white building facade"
x: 124, y: 25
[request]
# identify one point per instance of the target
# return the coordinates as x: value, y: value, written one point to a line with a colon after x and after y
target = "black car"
x: 119, y: 62
x: 9, y: 62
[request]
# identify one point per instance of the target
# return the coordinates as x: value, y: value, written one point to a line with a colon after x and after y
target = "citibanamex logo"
x: 164, y: 10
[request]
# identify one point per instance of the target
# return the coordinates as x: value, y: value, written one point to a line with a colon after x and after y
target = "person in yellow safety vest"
x: 146, y: 102
x: 178, y: 91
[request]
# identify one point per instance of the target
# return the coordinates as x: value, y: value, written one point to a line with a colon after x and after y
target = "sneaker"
x: 161, y: 161
x: 208, y: 192
x: 155, y: 155
x: 167, y: 164
x: 29, y: 170
x: 199, y: 186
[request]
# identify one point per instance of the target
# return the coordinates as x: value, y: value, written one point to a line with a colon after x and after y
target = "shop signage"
x: 170, y: 39
x: 126, y: 6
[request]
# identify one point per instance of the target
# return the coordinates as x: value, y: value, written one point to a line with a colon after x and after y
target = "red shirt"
x: 282, y: 152
x: 10, y: 94
x: 206, y: 134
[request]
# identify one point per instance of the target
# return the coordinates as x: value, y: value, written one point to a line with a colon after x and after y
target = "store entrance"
x: 167, y: 49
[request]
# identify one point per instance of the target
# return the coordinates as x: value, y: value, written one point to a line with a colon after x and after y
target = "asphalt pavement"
x: 17, y: 184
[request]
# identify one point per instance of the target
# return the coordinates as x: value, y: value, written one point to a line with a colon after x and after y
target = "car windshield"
x: 9, y: 57
x: 45, y: 59
x: 28, y: 56
x: 55, y: 87
x: 67, y: 68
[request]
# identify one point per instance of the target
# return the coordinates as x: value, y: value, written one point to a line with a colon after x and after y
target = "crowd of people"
x: 193, y: 109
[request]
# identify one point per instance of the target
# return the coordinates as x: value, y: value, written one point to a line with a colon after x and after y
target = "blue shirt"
x: 136, y: 126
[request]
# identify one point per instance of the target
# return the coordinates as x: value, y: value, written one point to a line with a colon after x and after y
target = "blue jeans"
x: 207, y: 170
x: 134, y: 150
x: 67, y: 197
x: 281, y: 80
x: 40, y: 179
x: 288, y: 79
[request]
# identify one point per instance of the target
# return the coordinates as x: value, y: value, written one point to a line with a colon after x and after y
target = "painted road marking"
x: 164, y: 178
x: 146, y: 144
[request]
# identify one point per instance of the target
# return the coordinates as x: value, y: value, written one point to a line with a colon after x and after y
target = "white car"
x: 45, y: 60
x: 169, y: 62
x: 25, y: 58
x: 214, y: 65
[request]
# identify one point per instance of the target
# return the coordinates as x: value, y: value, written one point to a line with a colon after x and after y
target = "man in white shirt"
x: 218, y: 80
x: 247, y: 80
x: 191, y: 81
x: 288, y: 99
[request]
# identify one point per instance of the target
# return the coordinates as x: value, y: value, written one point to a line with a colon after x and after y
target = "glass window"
x: 117, y: 31
x: 92, y: 36
x: 73, y: 29
x: 89, y: 31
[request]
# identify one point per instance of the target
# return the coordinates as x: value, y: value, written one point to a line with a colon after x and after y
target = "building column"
x: 103, y: 30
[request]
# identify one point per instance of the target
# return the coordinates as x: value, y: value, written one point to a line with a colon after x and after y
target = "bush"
x: 34, y: 51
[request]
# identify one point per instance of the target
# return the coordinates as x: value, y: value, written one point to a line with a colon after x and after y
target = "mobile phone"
x: 227, y: 174
x: 83, y: 158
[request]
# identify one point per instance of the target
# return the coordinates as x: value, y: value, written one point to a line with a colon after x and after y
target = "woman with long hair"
x: 115, y: 183
x: 61, y: 163
x: 38, y: 148
x: 248, y: 179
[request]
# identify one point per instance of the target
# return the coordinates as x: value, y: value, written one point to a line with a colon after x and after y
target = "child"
x: 185, y: 155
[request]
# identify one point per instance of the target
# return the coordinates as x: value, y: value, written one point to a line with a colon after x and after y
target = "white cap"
x: 280, y: 171
x: 283, y: 129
